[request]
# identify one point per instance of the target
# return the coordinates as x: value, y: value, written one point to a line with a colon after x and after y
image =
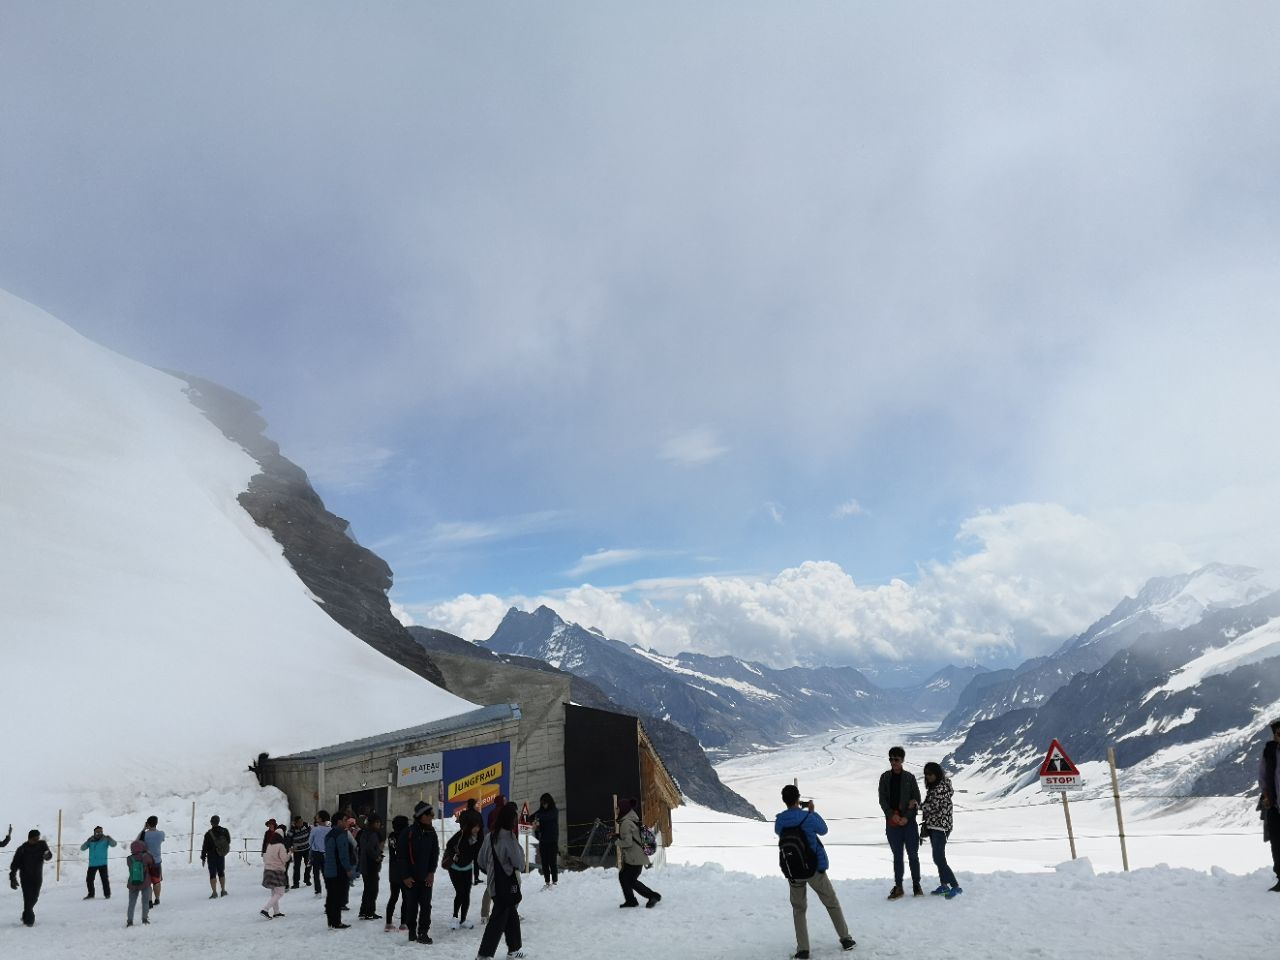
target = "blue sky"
x: 785, y: 330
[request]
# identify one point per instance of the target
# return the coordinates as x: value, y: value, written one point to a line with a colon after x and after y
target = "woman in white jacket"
x: 275, y: 874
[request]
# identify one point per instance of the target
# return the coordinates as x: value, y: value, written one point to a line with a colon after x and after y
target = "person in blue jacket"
x: 97, y: 845
x: 340, y: 869
x: 804, y: 817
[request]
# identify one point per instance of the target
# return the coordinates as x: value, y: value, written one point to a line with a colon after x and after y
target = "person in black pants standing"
x: 369, y: 847
x: 299, y: 840
x: 339, y: 871
x: 546, y: 828
x: 1269, y: 782
x: 420, y: 855
x: 27, y: 868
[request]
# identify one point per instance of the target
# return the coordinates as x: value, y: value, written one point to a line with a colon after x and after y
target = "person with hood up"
x: 98, y: 845
x: 502, y: 860
x: 27, y: 871
x: 275, y: 873
x: 546, y: 828
x: 395, y: 871
x: 935, y: 823
x: 369, y: 851
x: 340, y: 870
x: 138, y: 865
x: 420, y: 855
x: 460, y: 855
x: 634, y: 859
x: 213, y: 854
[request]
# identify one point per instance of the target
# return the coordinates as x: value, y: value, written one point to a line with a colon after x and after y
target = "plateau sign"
x: 1058, y: 772
x: 421, y: 769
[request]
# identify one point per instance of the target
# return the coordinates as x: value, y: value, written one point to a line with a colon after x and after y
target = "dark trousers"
x: 397, y: 887
x: 336, y: 897
x: 301, y: 859
x: 629, y: 878
x: 369, y: 895
x: 905, y: 838
x: 317, y: 870
x: 417, y: 910
x: 1273, y: 833
x: 938, y: 843
x: 461, y: 893
x: 106, y: 882
x: 550, y: 857
x: 504, y: 919
x: 30, y: 894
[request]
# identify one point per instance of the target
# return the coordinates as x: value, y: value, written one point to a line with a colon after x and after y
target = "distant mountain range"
x: 732, y: 706
x: 1181, y: 679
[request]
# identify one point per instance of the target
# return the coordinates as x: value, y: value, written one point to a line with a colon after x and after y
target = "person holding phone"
x: 900, y: 801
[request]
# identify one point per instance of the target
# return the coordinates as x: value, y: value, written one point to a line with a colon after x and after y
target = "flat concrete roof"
x: 455, y: 724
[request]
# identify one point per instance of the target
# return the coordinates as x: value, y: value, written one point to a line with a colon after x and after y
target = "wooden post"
x: 191, y: 849
x: 616, y: 849
x: 57, y: 870
x: 1066, y: 809
x: 1115, y: 792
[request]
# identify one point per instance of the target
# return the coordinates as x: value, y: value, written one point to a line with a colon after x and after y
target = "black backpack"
x: 796, y: 858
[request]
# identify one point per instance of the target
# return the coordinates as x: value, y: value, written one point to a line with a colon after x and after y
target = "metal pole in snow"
x: 1115, y: 792
x: 57, y: 870
x: 191, y: 850
x: 1066, y: 809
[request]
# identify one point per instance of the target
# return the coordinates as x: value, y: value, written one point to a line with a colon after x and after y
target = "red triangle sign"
x: 1057, y: 763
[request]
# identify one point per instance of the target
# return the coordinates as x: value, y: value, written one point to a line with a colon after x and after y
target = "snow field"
x: 706, y: 912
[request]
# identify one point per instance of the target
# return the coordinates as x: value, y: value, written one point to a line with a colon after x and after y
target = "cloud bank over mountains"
x: 1027, y: 576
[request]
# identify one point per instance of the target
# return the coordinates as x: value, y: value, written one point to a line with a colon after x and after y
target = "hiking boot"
x: 214, y: 895
x: 87, y: 896
x: 917, y: 890
x: 425, y: 939
x: 223, y: 894
x: 629, y: 903
x: 653, y: 901
x: 847, y: 943
x: 128, y: 923
x: 896, y: 893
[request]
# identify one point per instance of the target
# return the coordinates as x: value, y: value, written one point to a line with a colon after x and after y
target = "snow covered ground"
x: 1195, y: 891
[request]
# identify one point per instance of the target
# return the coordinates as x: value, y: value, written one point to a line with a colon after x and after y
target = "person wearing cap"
x: 420, y: 856
x: 1269, y: 783
x: 900, y: 800
x: 213, y: 854
x: 27, y: 870
x: 97, y: 845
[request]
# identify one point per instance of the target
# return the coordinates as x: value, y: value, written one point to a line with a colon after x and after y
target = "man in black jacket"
x: 369, y: 855
x: 419, y: 857
x: 900, y: 801
x: 213, y: 854
x: 28, y: 868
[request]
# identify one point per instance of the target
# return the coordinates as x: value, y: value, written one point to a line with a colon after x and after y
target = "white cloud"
x: 605, y: 558
x: 774, y: 510
x: 850, y: 508
x: 693, y: 447
x: 1035, y: 574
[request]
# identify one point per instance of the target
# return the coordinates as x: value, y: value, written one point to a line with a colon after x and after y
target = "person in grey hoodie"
x: 502, y: 860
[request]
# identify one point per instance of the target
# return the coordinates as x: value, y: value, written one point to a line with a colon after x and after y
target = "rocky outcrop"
x: 349, y: 582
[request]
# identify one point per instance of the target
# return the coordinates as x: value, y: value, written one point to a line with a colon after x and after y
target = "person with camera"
x: 802, y: 817
x: 900, y: 801
x: 97, y: 845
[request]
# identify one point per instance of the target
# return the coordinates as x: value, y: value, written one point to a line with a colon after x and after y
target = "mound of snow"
x: 155, y: 638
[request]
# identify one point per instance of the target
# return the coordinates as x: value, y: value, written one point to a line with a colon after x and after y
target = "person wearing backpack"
x: 28, y: 864
x: 138, y: 865
x: 634, y: 857
x: 213, y: 854
x: 804, y: 863
x: 97, y: 845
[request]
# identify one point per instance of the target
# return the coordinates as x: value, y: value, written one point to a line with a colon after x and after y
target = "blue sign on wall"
x: 476, y: 773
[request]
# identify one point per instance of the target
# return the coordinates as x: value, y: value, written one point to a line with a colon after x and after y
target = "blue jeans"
x: 938, y: 841
x: 907, y: 838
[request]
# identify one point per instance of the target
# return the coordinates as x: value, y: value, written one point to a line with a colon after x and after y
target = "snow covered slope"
x: 155, y: 639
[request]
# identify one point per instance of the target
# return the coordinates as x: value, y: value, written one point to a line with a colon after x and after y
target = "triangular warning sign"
x: 1057, y: 763
x: 524, y: 811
